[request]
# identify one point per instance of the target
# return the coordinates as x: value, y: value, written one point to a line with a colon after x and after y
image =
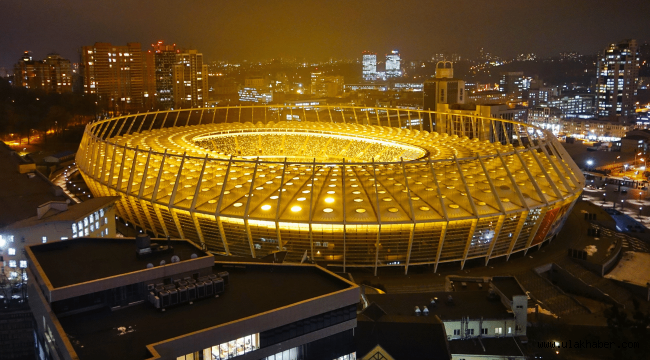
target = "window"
x: 23, y: 264
x: 470, y: 331
x: 11, y: 251
x: 44, y: 239
x: 484, y: 331
x: 12, y: 263
x: 64, y: 238
x: 13, y: 275
x: 456, y: 331
x: 101, y: 212
x: 106, y: 232
x: 10, y: 238
x: 498, y: 331
x: 74, y: 228
x: 509, y: 330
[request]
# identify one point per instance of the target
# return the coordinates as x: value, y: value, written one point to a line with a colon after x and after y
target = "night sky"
x: 256, y: 30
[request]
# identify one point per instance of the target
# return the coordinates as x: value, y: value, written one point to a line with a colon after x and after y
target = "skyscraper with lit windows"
x: 164, y: 61
x: 115, y: 74
x: 618, y: 72
x: 369, y: 66
x: 393, y: 61
x: 190, y: 80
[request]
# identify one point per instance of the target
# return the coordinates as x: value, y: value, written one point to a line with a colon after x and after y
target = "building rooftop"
x: 253, y: 289
x: 88, y: 259
x: 633, y: 268
x: 75, y: 212
x: 473, y: 304
x: 508, y: 285
x: 506, y: 346
x: 21, y: 194
x: 404, y: 337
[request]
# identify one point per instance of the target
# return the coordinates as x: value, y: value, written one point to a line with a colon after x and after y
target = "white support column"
x: 374, y: 175
x: 412, y: 216
x: 132, y: 172
x: 143, y: 120
x: 201, y: 118
x: 531, y: 178
x: 163, y: 122
x: 171, y: 207
x: 277, y: 207
x: 550, y: 181
x: 143, y: 180
x: 472, y: 230
x: 154, y: 195
x: 515, y: 236
x: 118, y: 185
x: 561, y: 176
x: 343, y: 175
x: 246, y: 210
x: 217, y: 212
x: 178, y: 113
x: 444, y: 214
x: 533, y: 231
x: 497, y: 232
x: 311, y: 206
x: 514, y: 181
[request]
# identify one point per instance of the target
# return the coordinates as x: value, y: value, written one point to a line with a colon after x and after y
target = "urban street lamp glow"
x: 353, y: 186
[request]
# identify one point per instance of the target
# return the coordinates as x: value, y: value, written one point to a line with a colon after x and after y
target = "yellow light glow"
x: 266, y: 207
x: 329, y: 200
x: 296, y: 208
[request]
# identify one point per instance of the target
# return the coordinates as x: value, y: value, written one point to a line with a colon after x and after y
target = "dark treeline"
x: 24, y: 112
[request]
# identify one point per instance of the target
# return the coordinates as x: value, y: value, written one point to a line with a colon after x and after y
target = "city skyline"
x: 228, y: 31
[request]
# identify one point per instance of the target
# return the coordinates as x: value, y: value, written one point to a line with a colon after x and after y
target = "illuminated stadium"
x: 354, y: 186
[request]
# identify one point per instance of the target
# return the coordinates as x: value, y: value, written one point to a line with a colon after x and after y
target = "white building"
x: 55, y: 221
x: 393, y: 64
x: 369, y: 66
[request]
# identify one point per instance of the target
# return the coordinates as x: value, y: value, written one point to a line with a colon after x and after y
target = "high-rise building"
x: 369, y: 66
x: 115, y: 74
x: 393, y: 64
x: 513, y: 84
x: 326, y: 86
x: 149, y: 97
x: 443, y: 89
x: 52, y: 75
x: 164, y: 61
x: 190, y: 78
x: 618, y: 72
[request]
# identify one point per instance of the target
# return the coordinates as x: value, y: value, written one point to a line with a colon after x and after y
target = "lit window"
x: 44, y: 239
x: 106, y: 232
x: 12, y: 263
x: 11, y: 251
x: 10, y: 238
x: 23, y: 264
x: 92, y: 227
x: 86, y: 231
x: 64, y: 238
x: 13, y: 275
x: 97, y: 225
x: 101, y: 212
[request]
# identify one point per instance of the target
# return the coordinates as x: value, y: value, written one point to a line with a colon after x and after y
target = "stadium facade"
x: 354, y: 186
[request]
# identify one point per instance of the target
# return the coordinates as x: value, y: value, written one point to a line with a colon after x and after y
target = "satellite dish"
x: 175, y: 259
x: 193, y: 256
x: 149, y: 265
x: 162, y: 262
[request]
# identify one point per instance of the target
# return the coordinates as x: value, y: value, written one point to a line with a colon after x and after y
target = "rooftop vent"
x: 175, y: 259
x: 417, y: 311
x: 450, y: 300
x: 149, y: 265
x: 425, y: 310
x: 433, y: 302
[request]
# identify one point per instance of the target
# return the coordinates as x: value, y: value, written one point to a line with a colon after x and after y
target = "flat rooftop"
x: 88, y: 259
x: 633, y: 268
x: 474, y: 304
x: 75, y: 211
x: 508, y: 285
x: 20, y: 195
x: 253, y: 289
